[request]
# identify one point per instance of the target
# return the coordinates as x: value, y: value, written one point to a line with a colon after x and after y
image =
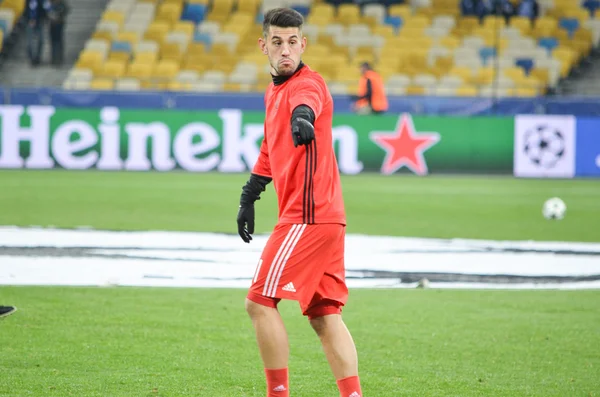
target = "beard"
x: 284, y: 70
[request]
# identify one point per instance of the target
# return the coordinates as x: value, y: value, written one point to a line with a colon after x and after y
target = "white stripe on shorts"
x: 257, y: 272
x: 281, y: 249
x: 273, y: 289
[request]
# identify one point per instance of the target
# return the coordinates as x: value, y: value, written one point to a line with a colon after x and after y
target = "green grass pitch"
x: 486, y: 207
x: 199, y: 342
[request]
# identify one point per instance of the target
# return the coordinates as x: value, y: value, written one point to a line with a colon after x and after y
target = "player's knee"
x: 322, y: 321
x: 257, y: 305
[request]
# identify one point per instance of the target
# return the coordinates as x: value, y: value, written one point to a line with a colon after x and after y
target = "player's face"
x: 284, y: 47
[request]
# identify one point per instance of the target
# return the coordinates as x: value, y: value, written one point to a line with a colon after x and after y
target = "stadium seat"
x: 194, y: 13
x: 112, y: 69
x: 102, y: 84
x: 127, y: 84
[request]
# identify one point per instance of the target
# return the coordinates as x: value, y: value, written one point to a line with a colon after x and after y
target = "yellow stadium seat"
x: 577, y: 13
x: 319, y: 20
x: 112, y: 15
x: 220, y: 49
x: 417, y: 22
x: 494, y: 22
x: 103, y: 35
x: 102, y: 84
x: 222, y: 7
x: 442, y: 65
x: 516, y: 73
x: 525, y: 92
x: 484, y: 76
x: 468, y: 23
x: 112, y: 69
x: 139, y: 70
x: 178, y: 86
x: 400, y: 10
x: 205, y: 2
x: 249, y: 6
x: 450, y: 42
x: 171, y: 51
x: 541, y: 74
x: 196, y: 48
x: 521, y: 23
x: 146, y: 57
x: 385, y: 31
x: 546, y: 25
x: 165, y: 69
x: 415, y: 90
x: 118, y: 56
x: 467, y: 91
x: 196, y: 65
x: 348, y: 14
x: 323, y: 10
x: 169, y: 12
x: 186, y: 27
x: 90, y: 58
x: 463, y: 72
x: 130, y: 37
x: 157, y: 31
x: 567, y: 56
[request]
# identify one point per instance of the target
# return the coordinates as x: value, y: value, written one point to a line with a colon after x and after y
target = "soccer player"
x: 7, y: 310
x: 303, y: 259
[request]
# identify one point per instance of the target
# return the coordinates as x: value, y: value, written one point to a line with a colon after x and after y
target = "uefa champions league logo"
x: 544, y: 145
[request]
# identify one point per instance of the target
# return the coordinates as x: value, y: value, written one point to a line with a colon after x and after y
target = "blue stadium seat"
x: 121, y: 46
x: 304, y: 10
x: 570, y: 25
x: 485, y: 53
x: 592, y: 6
x: 549, y: 43
x: 203, y: 38
x: 259, y: 18
x: 4, y: 28
x: 525, y: 63
x: 194, y: 13
x: 396, y: 22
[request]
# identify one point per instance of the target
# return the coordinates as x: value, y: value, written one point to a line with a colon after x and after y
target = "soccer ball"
x: 544, y: 146
x: 554, y: 208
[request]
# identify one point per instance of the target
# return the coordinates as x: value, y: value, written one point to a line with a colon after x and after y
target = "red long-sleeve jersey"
x: 306, y: 178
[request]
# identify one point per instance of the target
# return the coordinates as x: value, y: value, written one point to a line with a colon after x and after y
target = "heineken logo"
x: 110, y: 144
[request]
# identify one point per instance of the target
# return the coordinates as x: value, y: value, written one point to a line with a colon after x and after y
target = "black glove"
x: 303, y: 132
x: 245, y: 221
x: 250, y: 193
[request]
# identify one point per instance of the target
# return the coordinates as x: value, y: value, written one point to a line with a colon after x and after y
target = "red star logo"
x: 403, y: 147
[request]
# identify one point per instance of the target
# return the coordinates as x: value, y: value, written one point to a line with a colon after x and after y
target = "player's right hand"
x: 245, y: 221
x: 303, y: 132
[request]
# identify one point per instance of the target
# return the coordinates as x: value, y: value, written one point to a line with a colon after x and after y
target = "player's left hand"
x: 245, y: 221
x: 303, y: 132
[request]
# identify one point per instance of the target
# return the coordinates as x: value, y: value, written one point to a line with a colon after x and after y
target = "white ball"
x: 554, y: 208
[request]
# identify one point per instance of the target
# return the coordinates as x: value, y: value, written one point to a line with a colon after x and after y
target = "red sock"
x: 277, y: 382
x: 349, y: 387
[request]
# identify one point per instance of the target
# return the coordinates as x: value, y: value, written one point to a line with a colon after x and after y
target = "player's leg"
x: 340, y: 352
x: 261, y: 305
x: 324, y: 314
x: 272, y: 340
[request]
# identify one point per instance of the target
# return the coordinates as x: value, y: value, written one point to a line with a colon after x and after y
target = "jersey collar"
x: 278, y: 80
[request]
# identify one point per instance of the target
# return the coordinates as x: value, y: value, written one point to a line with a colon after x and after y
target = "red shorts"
x: 304, y: 263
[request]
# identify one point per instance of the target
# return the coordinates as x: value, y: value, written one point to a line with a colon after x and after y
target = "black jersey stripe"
x: 314, y: 171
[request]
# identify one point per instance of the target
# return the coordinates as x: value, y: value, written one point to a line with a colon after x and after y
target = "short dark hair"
x: 283, y: 18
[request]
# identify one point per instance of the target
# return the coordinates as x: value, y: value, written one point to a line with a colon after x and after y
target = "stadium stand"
x: 420, y: 47
x: 10, y: 14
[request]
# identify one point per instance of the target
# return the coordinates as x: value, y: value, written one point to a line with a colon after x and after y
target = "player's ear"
x: 303, y: 43
x: 263, y: 45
